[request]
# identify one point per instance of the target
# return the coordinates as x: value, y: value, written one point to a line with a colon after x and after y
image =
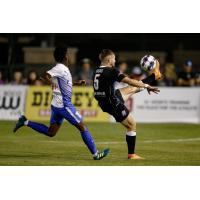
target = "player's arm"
x: 139, y: 84
x: 134, y: 82
x: 46, y: 77
x: 120, y: 77
x: 116, y: 75
x: 79, y: 82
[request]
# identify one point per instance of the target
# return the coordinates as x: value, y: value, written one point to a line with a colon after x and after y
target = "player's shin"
x: 150, y: 79
x: 40, y: 128
x: 88, y: 140
x: 131, y: 139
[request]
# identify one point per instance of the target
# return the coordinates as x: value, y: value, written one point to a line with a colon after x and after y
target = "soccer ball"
x: 148, y: 63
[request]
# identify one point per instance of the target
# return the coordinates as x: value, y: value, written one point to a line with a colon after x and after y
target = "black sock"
x: 150, y: 79
x: 131, y: 143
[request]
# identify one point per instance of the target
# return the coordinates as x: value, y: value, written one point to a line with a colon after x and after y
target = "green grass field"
x: 159, y: 144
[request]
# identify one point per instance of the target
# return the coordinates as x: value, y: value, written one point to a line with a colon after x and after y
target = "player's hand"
x: 80, y: 82
x: 152, y: 89
x: 53, y: 86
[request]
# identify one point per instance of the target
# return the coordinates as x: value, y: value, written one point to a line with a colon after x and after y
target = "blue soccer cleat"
x: 20, y: 123
x: 102, y: 154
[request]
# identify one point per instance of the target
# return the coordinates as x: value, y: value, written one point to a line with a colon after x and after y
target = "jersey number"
x: 96, y: 81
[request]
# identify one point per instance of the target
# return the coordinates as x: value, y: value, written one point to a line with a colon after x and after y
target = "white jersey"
x: 62, y: 89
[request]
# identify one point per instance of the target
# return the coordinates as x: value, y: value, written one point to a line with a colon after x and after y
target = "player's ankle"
x: 26, y: 123
x: 94, y: 155
x: 157, y: 74
x: 131, y: 155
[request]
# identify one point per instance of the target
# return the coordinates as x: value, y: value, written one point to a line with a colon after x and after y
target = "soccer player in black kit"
x: 112, y: 101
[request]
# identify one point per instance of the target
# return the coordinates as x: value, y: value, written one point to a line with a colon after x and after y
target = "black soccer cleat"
x: 20, y: 123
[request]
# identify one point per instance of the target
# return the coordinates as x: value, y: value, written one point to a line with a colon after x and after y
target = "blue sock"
x: 88, y: 140
x: 41, y: 128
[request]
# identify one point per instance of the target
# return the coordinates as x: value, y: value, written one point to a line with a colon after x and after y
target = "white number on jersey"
x: 96, y: 81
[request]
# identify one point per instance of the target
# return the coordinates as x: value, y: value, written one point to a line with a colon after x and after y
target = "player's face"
x: 67, y: 58
x: 188, y: 69
x: 112, y: 60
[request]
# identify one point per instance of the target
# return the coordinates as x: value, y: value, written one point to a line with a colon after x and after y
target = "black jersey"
x: 103, y: 83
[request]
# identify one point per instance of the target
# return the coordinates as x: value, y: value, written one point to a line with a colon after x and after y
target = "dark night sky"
x: 91, y: 44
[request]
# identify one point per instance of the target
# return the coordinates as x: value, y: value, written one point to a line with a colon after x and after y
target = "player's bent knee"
x: 129, y: 123
x: 53, y: 129
x: 81, y: 126
x: 131, y: 126
x: 51, y: 133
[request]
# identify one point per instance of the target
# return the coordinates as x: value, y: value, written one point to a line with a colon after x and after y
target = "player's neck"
x: 64, y: 63
x: 106, y: 64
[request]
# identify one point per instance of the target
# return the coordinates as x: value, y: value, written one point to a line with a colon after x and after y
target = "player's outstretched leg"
x: 73, y: 116
x: 155, y: 75
x: 89, y: 142
x: 130, y: 124
x: 128, y: 91
x: 40, y: 128
x: 156, y: 71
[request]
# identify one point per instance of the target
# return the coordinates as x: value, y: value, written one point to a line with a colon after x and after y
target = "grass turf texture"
x: 159, y: 144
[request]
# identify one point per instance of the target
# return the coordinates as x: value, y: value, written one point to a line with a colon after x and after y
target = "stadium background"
x: 25, y: 56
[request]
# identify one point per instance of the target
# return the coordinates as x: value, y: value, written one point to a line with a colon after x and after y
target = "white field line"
x: 173, y: 140
x: 64, y: 142
x: 122, y: 142
x: 158, y: 141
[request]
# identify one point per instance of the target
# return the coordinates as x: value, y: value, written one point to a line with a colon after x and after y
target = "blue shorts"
x: 69, y: 113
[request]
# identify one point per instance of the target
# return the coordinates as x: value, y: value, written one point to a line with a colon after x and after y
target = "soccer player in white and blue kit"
x: 59, y: 77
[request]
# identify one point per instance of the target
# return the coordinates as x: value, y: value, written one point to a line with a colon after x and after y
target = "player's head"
x: 60, y: 54
x: 188, y: 66
x: 107, y: 57
x: 123, y: 67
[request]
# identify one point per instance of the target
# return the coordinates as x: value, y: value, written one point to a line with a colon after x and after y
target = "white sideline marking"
x: 172, y: 140
x: 145, y: 141
x: 112, y: 142
x: 157, y: 141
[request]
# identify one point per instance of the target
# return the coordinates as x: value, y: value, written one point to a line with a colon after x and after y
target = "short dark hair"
x: 60, y: 53
x: 104, y: 53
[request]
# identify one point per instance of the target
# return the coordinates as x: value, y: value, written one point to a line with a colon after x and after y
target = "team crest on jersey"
x: 123, y: 113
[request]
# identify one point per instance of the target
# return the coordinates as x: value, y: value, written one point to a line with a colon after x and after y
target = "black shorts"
x: 119, y: 95
x: 118, y: 110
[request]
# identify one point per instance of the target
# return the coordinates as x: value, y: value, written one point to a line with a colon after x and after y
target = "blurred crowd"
x: 183, y: 76
x: 18, y: 78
